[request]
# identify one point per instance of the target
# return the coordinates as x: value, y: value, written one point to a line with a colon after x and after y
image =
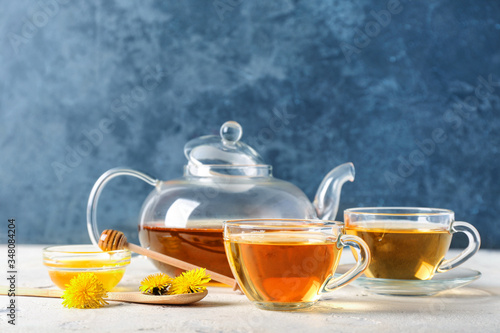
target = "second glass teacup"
x: 409, y: 243
x: 287, y: 264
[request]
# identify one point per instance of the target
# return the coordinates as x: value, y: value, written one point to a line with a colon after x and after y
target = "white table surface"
x: 475, y: 307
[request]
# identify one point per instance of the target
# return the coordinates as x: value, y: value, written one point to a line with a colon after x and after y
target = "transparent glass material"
x: 288, y: 264
x: 452, y: 279
x: 223, y: 179
x: 409, y: 243
x: 65, y: 262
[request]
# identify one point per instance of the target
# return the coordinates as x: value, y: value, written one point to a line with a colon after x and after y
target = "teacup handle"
x: 474, y: 244
x: 363, y: 259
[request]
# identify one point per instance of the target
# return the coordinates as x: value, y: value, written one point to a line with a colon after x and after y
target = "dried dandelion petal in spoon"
x: 156, y: 284
x: 84, y: 291
x: 190, y: 282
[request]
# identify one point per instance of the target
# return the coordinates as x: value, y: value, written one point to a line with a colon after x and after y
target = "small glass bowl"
x: 65, y: 262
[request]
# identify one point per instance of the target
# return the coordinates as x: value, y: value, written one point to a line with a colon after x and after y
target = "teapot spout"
x: 327, y: 197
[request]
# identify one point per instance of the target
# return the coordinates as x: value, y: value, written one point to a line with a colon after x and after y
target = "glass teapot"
x: 224, y: 179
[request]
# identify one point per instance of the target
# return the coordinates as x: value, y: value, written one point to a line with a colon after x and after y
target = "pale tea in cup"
x: 402, y: 250
x: 409, y: 243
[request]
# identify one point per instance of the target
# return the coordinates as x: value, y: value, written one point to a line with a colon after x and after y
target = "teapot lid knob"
x: 226, y: 149
x: 231, y: 132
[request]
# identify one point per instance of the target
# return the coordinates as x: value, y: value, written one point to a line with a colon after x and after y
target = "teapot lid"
x: 226, y: 149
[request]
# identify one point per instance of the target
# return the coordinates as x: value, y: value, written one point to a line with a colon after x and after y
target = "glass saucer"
x: 457, y: 277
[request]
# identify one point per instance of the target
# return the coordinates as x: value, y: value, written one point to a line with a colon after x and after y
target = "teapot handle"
x: 96, y: 192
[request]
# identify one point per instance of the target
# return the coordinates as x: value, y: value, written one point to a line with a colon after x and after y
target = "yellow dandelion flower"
x: 189, y: 282
x: 84, y: 291
x: 156, y: 284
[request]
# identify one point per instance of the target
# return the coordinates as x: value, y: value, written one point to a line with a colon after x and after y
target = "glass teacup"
x: 409, y: 243
x: 287, y: 264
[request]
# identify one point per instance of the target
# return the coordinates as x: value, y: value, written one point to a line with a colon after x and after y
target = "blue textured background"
x: 313, y: 83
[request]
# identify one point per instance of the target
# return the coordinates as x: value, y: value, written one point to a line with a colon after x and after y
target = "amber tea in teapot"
x: 199, y: 246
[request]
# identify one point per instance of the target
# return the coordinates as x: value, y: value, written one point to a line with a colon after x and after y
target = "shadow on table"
x: 217, y: 304
x: 449, y: 301
x: 200, y: 304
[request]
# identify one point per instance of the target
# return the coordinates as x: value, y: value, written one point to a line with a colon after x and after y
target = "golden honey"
x: 65, y: 262
x: 108, y: 276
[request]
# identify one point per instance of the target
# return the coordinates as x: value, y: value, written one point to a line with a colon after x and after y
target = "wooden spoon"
x: 129, y: 297
x: 112, y: 240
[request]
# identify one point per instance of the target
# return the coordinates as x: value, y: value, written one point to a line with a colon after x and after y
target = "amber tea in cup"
x: 409, y: 243
x: 288, y: 264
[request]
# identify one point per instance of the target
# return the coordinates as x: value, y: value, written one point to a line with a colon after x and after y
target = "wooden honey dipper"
x: 112, y: 240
